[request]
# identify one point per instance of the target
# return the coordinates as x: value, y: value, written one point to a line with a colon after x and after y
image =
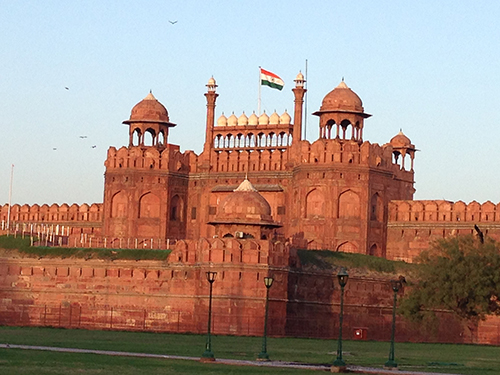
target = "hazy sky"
x: 428, y: 67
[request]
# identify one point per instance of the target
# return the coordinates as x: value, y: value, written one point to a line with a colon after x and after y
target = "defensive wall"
x: 173, y: 297
x: 413, y: 225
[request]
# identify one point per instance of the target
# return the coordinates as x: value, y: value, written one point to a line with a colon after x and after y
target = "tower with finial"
x: 149, y: 123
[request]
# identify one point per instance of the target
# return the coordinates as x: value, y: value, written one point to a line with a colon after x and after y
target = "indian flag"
x: 270, y: 79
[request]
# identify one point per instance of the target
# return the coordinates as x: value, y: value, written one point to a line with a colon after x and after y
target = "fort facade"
x: 256, y: 193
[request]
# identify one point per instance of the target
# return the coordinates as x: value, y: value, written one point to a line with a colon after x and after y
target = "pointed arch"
x: 375, y: 250
x: 315, y: 204
x: 348, y: 205
x: 119, y: 205
x: 176, y: 208
x: 376, y: 208
x: 347, y: 247
x: 149, y: 206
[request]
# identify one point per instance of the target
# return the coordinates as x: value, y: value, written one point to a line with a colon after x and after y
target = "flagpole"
x: 305, y: 118
x: 258, y: 102
x: 10, y: 197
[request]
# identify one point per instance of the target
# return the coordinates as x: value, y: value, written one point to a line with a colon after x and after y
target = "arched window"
x: 161, y: 138
x: 136, y: 137
x: 149, y: 136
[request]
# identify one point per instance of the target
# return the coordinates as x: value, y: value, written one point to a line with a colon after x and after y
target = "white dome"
x: 253, y: 119
x: 264, y: 119
x: 243, y: 120
x: 222, y: 121
x: 285, y: 118
x: 274, y: 119
x: 232, y: 120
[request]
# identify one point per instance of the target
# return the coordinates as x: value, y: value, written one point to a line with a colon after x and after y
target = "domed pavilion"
x: 244, y: 214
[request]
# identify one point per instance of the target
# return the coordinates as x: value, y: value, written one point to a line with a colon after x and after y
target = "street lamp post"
x: 396, y: 285
x: 342, y: 276
x: 208, y: 355
x: 263, y: 356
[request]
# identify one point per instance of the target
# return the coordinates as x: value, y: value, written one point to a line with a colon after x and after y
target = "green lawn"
x: 460, y: 359
x: 17, y: 246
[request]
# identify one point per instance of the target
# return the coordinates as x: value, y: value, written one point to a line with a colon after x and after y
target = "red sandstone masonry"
x: 302, y: 304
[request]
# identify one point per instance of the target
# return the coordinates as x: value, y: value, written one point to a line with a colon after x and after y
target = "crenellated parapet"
x: 52, y: 214
x: 231, y: 251
x: 140, y: 158
x: 414, y: 225
x: 436, y: 211
x: 366, y: 154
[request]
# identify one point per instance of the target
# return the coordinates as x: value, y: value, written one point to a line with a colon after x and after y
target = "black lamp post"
x: 396, y: 285
x: 263, y: 356
x: 342, y: 276
x: 208, y: 355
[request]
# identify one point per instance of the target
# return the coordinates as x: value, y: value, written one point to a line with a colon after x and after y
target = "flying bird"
x: 94, y: 146
x: 67, y: 88
x: 173, y: 22
x: 54, y: 149
x: 83, y: 136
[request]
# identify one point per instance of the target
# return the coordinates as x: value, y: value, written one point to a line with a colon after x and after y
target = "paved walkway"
x: 235, y: 362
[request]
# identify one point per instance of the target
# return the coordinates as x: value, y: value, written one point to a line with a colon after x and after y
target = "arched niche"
x: 376, y: 208
x: 119, y: 205
x: 315, y: 204
x: 347, y: 247
x: 149, y: 206
x: 176, y: 210
x: 348, y: 205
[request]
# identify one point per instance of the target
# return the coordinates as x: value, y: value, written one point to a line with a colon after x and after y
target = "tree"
x: 459, y: 274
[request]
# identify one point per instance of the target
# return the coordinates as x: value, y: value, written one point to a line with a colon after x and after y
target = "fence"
x: 128, y: 319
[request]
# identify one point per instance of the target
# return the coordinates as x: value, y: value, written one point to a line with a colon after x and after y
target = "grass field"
x: 460, y: 359
x: 11, y: 246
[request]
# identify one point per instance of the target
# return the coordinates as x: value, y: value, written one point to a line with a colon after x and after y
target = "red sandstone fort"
x: 255, y: 194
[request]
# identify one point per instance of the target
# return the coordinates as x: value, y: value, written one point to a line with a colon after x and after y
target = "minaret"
x: 211, y: 96
x: 299, y: 92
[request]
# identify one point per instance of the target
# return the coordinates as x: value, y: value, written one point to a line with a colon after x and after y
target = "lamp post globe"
x: 263, y: 356
x: 208, y: 355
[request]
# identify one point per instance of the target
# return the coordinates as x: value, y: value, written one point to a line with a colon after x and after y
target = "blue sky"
x: 428, y: 67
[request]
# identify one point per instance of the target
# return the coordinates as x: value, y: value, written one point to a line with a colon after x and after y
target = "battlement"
x: 231, y: 251
x: 443, y: 211
x: 148, y: 158
x: 52, y: 214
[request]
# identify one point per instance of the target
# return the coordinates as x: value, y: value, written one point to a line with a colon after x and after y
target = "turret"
x: 149, y: 117
x: 341, y: 109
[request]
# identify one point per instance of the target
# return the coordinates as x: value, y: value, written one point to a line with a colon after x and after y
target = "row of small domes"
x: 253, y: 119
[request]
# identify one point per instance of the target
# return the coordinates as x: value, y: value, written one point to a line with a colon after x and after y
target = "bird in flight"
x: 83, y: 136
x: 173, y: 22
x: 67, y: 88
x: 54, y: 149
x: 94, y: 146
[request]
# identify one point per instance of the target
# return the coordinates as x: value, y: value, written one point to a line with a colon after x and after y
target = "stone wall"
x: 173, y: 297
x: 413, y: 225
